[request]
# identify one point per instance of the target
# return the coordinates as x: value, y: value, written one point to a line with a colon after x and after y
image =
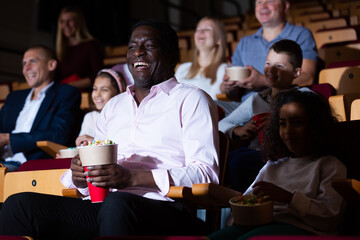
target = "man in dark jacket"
x: 46, y: 111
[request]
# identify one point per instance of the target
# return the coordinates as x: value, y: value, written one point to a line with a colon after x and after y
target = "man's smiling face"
x: 147, y: 61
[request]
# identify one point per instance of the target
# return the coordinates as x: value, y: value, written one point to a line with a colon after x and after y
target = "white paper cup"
x: 98, y: 154
x: 237, y: 73
x: 68, y: 152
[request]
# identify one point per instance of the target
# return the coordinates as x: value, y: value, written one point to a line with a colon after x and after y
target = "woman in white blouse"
x: 207, y: 69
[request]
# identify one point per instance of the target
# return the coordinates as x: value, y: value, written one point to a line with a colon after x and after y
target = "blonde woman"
x: 207, y: 69
x: 80, y: 55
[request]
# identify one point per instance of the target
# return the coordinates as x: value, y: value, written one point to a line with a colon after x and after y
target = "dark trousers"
x: 52, y: 217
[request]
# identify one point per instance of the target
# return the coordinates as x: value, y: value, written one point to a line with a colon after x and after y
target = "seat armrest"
x: 222, y: 97
x: 50, y: 147
x: 214, y: 194
x: 71, y: 192
x: 3, y: 171
x: 349, y: 189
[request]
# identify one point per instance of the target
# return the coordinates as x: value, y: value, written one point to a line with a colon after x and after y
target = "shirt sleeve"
x: 236, y: 59
x: 328, y: 204
x: 66, y: 180
x: 308, y: 45
x: 200, y: 139
x: 88, y: 124
x: 85, y: 125
x: 239, y: 117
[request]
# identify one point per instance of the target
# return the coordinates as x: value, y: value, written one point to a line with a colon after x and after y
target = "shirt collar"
x: 165, y: 86
x: 284, y: 33
x: 41, y: 93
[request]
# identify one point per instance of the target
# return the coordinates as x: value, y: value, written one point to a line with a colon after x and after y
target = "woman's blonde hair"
x: 82, y: 33
x: 217, y: 59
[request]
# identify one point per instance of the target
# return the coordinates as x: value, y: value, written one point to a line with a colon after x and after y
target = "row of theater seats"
x: 335, y: 26
x: 6, y: 88
x: 346, y: 82
x: 43, y: 176
x: 330, y: 22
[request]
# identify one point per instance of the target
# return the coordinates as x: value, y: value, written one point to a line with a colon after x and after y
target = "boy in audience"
x: 282, y: 66
x: 252, y: 50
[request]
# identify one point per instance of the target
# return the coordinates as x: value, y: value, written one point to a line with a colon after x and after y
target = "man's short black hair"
x: 292, y: 49
x: 170, y: 41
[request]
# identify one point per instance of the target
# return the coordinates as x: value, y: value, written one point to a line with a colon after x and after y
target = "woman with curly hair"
x: 298, y: 175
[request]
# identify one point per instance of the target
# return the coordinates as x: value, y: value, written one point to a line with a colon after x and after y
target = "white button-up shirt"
x: 173, y: 133
x: 26, y: 119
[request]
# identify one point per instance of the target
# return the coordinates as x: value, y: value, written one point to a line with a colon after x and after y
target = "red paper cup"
x: 97, y: 194
x: 259, y: 120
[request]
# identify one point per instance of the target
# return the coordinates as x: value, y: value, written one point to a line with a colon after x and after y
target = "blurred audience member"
x: 46, y: 111
x: 80, y: 55
x: 207, y: 69
x: 252, y: 50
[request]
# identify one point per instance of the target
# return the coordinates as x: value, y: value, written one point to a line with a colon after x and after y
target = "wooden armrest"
x: 349, y: 189
x: 3, y: 171
x: 178, y: 192
x: 214, y: 194
x: 40, y: 181
x: 204, y: 195
x: 222, y: 97
x: 50, y: 147
x: 185, y: 194
x: 71, y: 192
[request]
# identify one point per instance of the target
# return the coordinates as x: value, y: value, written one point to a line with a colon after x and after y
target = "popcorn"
x: 101, y: 142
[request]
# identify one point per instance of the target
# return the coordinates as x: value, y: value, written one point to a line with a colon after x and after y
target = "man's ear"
x: 52, y: 64
x: 297, y: 72
x: 287, y: 6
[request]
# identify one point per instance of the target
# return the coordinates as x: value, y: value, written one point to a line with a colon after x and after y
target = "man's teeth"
x: 141, y: 64
x: 30, y: 75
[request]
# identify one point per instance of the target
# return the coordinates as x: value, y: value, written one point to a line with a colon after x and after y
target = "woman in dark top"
x: 80, y: 55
